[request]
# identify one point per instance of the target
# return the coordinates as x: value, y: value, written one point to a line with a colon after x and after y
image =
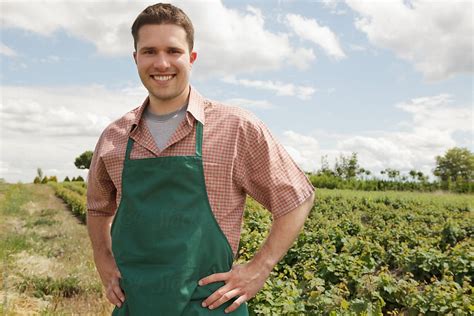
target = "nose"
x: 161, y: 62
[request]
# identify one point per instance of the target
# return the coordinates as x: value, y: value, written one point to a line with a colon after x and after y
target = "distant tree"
x: 363, y: 172
x: 66, y: 179
x: 325, y: 166
x: 413, y: 174
x: 391, y: 173
x: 44, y: 180
x: 84, y: 160
x: 39, y: 172
x: 347, y: 167
x: 37, y: 180
x: 73, y: 179
x: 53, y: 179
x: 456, y: 162
x: 421, y: 177
x: 79, y: 178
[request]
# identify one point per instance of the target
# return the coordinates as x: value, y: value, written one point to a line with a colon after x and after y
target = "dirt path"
x: 46, y: 259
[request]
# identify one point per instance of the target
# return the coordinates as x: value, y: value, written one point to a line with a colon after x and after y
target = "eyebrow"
x: 153, y: 48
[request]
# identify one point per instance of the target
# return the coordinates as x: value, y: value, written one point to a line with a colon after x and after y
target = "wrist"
x: 264, y: 265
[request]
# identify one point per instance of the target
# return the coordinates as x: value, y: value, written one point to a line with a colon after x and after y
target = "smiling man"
x: 167, y: 188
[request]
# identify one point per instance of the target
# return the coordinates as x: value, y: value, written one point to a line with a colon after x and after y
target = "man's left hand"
x: 242, y: 281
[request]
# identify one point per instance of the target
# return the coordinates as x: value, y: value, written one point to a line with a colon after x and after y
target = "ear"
x: 135, y: 57
x: 192, y: 57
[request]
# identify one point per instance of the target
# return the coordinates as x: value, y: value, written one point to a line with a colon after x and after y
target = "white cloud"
x: 49, y: 127
x: 433, y: 124
x: 251, y: 104
x: 281, y: 89
x: 309, y: 29
x: 7, y: 51
x: 303, y: 149
x: 332, y: 5
x: 222, y: 34
x: 60, y: 112
x: 435, y: 36
x: 434, y: 113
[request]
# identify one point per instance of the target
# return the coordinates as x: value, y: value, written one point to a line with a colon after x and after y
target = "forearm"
x: 283, y: 233
x: 99, y: 234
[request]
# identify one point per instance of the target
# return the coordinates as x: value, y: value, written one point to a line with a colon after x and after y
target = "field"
x: 361, y: 253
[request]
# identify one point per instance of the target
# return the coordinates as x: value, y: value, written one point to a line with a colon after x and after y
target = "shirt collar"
x: 195, y: 109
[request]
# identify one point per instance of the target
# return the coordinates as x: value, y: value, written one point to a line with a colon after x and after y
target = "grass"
x: 43, y: 286
x: 15, y: 196
x: 12, y: 244
x: 45, y: 256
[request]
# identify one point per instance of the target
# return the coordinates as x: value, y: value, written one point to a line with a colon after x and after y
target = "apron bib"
x: 165, y: 237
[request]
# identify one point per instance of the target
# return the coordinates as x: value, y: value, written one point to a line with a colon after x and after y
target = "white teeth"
x: 162, y: 78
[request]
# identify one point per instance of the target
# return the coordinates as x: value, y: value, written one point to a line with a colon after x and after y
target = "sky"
x: 390, y: 80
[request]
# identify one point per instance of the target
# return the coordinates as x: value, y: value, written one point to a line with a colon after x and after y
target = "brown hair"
x: 164, y: 13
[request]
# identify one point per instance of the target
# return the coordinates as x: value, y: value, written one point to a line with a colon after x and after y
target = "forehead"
x: 158, y: 35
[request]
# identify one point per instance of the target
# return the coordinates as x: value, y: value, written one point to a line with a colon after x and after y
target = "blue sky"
x: 390, y: 80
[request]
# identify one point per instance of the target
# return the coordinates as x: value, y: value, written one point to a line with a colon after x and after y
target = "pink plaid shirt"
x: 240, y: 157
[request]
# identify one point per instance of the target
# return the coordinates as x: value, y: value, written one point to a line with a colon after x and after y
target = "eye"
x: 174, y: 51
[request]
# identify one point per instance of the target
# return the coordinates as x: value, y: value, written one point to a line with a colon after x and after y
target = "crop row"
x: 74, y: 200
x: 364, y: 252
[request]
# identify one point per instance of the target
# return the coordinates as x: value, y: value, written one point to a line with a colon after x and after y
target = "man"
x: 179, y: 168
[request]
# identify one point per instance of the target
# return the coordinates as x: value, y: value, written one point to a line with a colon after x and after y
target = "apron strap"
x: 129, y: 148
x: 199, y: 139
x: 198, y: 142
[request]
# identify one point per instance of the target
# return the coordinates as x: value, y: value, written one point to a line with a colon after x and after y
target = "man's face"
x: 164, y: 62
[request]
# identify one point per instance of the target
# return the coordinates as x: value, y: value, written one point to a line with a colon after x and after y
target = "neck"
x: 163, y: 107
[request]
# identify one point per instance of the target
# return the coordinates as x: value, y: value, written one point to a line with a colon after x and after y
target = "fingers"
x: 114, y: 293
x: 239, y: 301
x: 224, y: 298
x: 216, y: 277
x: 216, y: 295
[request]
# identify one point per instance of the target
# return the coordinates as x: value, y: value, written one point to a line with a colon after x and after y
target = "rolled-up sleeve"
x: 101, y: 191
x: 267, y: 173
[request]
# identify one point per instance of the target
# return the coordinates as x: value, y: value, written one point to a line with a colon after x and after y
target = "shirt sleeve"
x: 268, y: 173
x: 101, y: 191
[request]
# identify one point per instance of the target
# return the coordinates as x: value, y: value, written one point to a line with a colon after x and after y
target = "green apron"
x: 165, y: 237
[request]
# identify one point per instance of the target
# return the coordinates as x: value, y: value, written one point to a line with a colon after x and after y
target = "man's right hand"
x: 99, y: 232
x: 110, y: 276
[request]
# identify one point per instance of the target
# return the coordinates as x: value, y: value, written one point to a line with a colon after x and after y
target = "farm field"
x: 374, y: 253
x: 45, y: 256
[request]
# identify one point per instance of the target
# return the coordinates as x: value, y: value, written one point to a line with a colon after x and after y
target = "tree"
x: 325, y: 166
x: 421, y: 177
x: 456, y: 162
x: 39, y: 172
x: 79, y: 178
x: 364, y: 172
x: 66, y: 179
x: 391, y: 173
x: 347, y: 167
x: 84, y: 160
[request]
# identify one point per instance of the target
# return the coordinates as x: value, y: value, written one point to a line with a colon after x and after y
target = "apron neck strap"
x: 198, y: 139
x: 198, y: 142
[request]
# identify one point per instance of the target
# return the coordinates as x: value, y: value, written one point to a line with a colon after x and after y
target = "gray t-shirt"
x: 162, y: 127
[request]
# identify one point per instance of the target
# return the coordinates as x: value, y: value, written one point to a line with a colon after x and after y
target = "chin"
x: 165, y: 96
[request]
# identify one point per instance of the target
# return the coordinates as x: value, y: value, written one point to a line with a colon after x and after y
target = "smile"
x: 163, y: 78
